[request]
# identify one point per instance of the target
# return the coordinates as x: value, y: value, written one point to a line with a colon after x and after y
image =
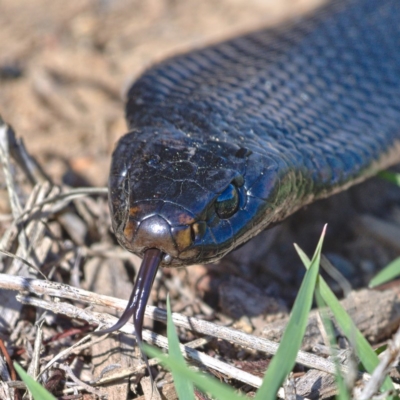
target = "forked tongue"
x: 138, y: 300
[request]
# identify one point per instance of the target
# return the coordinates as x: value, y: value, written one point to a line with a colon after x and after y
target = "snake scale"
x: 226, y: 140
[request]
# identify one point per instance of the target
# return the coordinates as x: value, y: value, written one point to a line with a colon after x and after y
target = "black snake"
x: 227, y: 140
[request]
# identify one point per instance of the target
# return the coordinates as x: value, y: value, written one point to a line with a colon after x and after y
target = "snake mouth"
x: 179, y: 243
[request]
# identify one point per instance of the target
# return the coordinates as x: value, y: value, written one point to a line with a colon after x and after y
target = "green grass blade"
x: 363, y: 349
x: 207, y: 384
x: 37, y: 390
x: 343, y: 393
x: 183, y: 386
x: 390, y: 272
x: 391, y: 177
x: 283, y: 361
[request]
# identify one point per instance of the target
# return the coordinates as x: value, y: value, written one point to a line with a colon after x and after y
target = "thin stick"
x: 41, y: 287
x: 389, y: 359
x: 63, y: 199
x: 7, y: 357
x: 13, y: 373
x: 80, y: 383
x: 151, y: 337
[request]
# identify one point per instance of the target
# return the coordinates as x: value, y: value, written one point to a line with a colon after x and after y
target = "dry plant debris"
x: 61, y: 269
x: 58, y: 253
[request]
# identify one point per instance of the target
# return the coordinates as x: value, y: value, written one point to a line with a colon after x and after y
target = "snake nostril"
x: 198, y: 229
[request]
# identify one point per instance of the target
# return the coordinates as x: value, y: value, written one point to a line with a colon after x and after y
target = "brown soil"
x: 64, y: 69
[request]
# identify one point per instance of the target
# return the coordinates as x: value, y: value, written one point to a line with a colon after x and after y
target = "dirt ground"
x: 65, y: 67
x: 77, y: 59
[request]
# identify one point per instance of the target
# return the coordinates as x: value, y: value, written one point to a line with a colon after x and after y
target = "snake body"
x: 225, y: 141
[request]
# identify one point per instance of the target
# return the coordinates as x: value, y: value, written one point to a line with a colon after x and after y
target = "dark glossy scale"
x: 298, y: 112
x: 285, y: 115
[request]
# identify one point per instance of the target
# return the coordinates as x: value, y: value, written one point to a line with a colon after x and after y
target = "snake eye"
x: 227, y: 202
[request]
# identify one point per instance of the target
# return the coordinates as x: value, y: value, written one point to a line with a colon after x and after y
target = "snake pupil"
x: 227, y: 202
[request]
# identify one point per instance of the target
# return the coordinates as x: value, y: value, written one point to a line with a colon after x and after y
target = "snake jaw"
x: 155, y: 231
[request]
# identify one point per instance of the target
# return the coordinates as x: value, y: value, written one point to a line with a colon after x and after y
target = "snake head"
x: 183, y: 196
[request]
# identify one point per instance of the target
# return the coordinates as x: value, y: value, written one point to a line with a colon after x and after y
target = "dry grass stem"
x: 40, y: 287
